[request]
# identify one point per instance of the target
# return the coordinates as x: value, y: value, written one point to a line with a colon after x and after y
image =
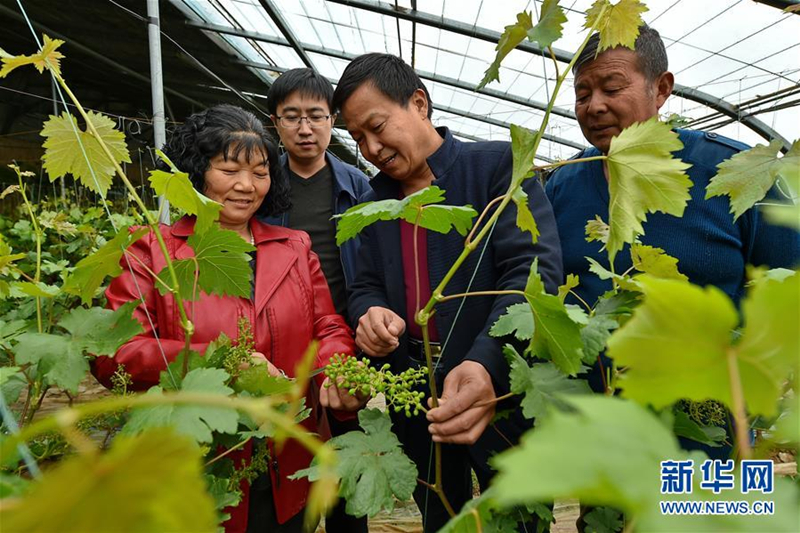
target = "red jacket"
x: 292, y: 306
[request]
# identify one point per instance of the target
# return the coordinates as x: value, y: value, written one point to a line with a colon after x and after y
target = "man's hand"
x: 333, y: 397
x: 458, y: 419
x: 378, y: 332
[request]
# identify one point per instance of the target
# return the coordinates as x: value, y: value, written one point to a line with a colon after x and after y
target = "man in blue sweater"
x: 613, y: 90
x: 387, y: 110
x: 299, y: 103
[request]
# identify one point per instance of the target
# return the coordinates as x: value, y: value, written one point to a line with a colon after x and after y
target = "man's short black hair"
x: 308, y: 82
x: 649, y: 49
x: 387, y: 73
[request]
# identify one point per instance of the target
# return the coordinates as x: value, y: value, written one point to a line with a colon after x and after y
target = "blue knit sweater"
x: 711, y: 248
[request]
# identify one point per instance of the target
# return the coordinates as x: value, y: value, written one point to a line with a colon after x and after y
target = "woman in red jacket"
x: 230, y: 159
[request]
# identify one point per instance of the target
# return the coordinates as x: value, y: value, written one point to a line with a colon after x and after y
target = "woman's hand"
x: 258, y: 358
x: 333, y: 397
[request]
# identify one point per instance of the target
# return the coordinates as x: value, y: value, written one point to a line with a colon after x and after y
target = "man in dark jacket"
x: 387, y: 110
x: 321, y: 186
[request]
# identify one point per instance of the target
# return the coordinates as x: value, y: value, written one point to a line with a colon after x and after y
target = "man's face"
x: 611, y: 94
x: 394, y: 138
x: 304, y: 142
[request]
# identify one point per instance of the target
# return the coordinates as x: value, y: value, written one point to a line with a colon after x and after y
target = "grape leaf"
x: 94, y: 331
x: 513, y: 34
x: 13, y: 486
x: 179, y: 191
x: 194, y: 421
x: 518, y: 319
x: 683, y: 426
x: 603, y: 520
x: 525, y: 220
x: 624, y: 282
x: 6, y: 372
x: 759, y: 274
x: 21, y: 289
x: 618, y: 25
x: 6, y: 257
x: 220, y: 266
x: 551, y: 23
x: 621, y: 469
x: 373, y: 468
x: 597, y: 230
x: 655, y: 261
x: 749, y: 175
x: 671, y: 355
x: 150, y: 483
x: 783, y: 215
x: 482, y: 515
x: 433, y: 217
x: 643, y: 178
x: 542, y: 384
x: 555, y: 336
x: 571, y: 282
x: 523, y: 151
x: 48, y: 54
x: 595, y: 334
x: 91, y: 271
x: 63, y: 153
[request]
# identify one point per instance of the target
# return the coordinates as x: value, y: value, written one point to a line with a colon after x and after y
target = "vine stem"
x: 226, y: 452
x: 37, y: 231
x: 186, y: 324
x: 480, y: 218
x: 571, y: 162
x: 479, y: 293
x: 739, y: 411
x: 495, y: 400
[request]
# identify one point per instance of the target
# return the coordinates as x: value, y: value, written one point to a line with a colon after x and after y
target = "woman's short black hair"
x: 228, y: 130
x: 389, y: 74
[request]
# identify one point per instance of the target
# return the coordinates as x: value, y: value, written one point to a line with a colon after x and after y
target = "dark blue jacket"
x: 349, y: 184
x: 470, y: 173
x: 710, y: 247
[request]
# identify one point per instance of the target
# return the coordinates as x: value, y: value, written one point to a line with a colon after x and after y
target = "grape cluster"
x: 241, y: 349
x: 359, y: 377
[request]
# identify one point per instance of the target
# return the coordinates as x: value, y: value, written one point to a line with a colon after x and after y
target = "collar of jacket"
x: 184, y: 228
x: 440, y: 163
x: 341, y: 176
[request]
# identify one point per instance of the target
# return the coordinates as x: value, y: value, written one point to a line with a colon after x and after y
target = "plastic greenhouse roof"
x: 743, y: 56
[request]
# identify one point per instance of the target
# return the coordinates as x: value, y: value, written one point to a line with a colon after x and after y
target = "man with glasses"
x: 321, y: 186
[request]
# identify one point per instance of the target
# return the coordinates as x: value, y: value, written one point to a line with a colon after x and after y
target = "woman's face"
x: 240, y: 185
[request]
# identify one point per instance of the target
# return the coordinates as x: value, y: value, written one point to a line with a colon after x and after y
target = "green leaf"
x: 194, y: 421
x: 518, y: 319
x: 625, y: 282
x: 597, y: 230
x: 655, y: 261
x: 551, y: 23
x: 603, y: 520
x: 571, y: 282
x: 759, y: 274
x: 618, y: 25
x: 91, y: 271
x: 373, y: 469
x: 6, y: 372
x: 671, y: 355
x: 749, y: 175
x: 48, y: 56
x: 513, y: 34
x: 783, y: 215
x: 220, y: 266
x: 643, y: 178
x: 62, y: 358
x: 433, y: 217
x: 150, y: 483
x: 595, y: 335
x: 179, y: 191
x: 769, y: 346
x: 20, y: 289
x: 542, y: 384
x: 556, y: 336
x: 255, y: 381
x: 6, y: 257
x: 63, y: 153
x: 483, y: 515
x: 13, y: 486
x: 523, y: 151
x: 525, y: 220
x: 688, y: 428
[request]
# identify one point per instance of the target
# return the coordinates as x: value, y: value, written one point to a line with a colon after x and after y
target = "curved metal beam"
x: 484, y: 34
